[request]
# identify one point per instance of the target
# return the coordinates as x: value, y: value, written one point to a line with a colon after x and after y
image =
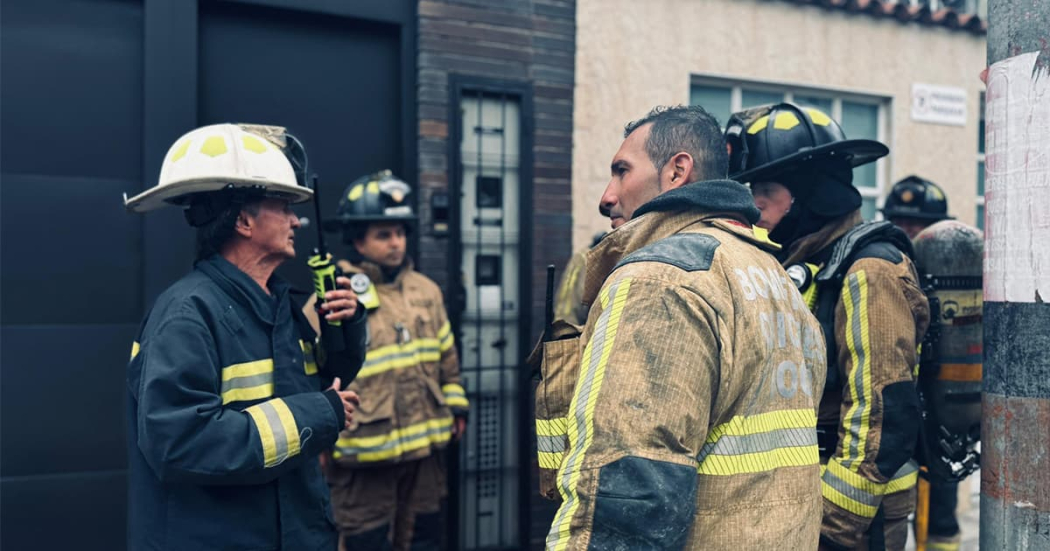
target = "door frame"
x: 522, y: 91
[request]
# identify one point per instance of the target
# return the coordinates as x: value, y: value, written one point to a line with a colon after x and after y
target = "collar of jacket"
x: 655, y: 225
x: 723, y: 196
x: 374, y: 271
x: 243, y: 289
x: 817, y: 244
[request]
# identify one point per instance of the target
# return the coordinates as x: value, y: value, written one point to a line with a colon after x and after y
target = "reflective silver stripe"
x: 247, y: 382
x: 761, y: 442
x: 552, y: 444
x: 858, y: 375
x: 908, y: 468
x: 583, y: 394
x: 852, y: 492
x: 280, y: 438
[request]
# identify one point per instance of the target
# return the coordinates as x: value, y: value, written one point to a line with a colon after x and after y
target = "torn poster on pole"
x: 1017, y: 181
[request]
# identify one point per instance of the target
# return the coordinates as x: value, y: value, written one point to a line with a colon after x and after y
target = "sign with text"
x: 938, y: 104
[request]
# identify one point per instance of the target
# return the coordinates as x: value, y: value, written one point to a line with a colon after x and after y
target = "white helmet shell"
x: 213, y: 157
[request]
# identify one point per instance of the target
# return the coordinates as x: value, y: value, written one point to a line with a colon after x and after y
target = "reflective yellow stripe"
x: 855, y: 300
x: 291, y: 430
x: 309, y: 362
x: 396, y: 356
x: 445, y: 337
x: 247, y: 369
x: 550, y: 460
x: 761, y: 443
x: 247, y: 381
x: 859, y: 495
x: 552, y: 427
x: 455, y: 396
x: 904, y: 479
x: 584, y: 399
x: 134, y: 350
x: 396, y: 442
x: 851, y: 491
x: 247, y: 394
x: 765, y: 422
x: 262, y: 424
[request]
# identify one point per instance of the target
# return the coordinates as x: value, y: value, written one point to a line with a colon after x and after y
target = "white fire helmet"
x: 215, y: 157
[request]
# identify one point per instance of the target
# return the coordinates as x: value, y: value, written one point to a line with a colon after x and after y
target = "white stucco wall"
x: 634, y: 54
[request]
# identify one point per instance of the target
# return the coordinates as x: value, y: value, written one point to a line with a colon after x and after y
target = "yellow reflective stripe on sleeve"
x: 247, y: 381
x: 134, y: 350
x: 309, y: 362
x: 291, y: 429
x: 445, y: 337
x: 855, y: 299
x: 397, y: 442
x: 581, y: 409
x: 904, y: 479
x: 396, y: 356
x: 455, y: 396
x: 550, y: 460
x: 851, y: 491
x: 859, y: 495
x: 551, y: 441
x: 761, y: 443
x: 552, y: 427
x: 262, y: 425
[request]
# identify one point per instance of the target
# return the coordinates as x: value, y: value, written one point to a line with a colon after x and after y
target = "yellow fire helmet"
x: 216, y: 157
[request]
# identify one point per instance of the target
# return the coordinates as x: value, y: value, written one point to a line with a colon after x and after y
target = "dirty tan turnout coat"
x: 684, y: 414
x: 880, y: 318
x: 409, y: 385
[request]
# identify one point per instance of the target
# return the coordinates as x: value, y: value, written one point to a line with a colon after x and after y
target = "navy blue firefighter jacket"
x: 226, y: 418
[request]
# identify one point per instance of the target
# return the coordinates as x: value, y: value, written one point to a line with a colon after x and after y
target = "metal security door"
x: 492, y: 317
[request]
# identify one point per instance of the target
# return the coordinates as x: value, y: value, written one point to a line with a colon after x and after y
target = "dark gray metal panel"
x: 71, y: 102
x: 69, y: 251
x: 77, y: 511
x: 335, y: 83
x: 383, y: 11
x: 62, y: 396
x: 170, y: 95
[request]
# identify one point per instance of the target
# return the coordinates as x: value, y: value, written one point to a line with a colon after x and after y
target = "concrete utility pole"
x: 1015, y: 429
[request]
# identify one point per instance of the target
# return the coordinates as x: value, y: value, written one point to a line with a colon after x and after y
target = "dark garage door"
x: 93, y: 93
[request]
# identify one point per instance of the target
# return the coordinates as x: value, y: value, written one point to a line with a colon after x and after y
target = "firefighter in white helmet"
x: 227, y: 412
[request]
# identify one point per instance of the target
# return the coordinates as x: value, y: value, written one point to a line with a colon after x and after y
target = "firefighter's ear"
x: 677, y: 172
x: 244, y: 224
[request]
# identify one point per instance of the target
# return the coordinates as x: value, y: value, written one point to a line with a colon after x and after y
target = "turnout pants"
x: 391, y: 507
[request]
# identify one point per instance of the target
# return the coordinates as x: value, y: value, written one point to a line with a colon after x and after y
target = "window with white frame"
x: 980, y: 163
x: 861, y: 116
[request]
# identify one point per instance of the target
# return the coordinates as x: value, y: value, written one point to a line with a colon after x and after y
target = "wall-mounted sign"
x: 938, y: 104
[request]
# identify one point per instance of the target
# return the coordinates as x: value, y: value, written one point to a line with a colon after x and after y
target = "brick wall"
x: 531, y: 41
x: 521, y: 40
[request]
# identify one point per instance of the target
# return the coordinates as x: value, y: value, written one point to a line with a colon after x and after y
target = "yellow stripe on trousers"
x: 581, y: 416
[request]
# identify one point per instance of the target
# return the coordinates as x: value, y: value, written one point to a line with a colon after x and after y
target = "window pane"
x: 751, y: 98
x: 713, y: 99
x: 980, y: 178
x: 860, y: 120
x: 980, y: 217
x: 867, y: 208
x: 865, y: 176
x: 824, y: 104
